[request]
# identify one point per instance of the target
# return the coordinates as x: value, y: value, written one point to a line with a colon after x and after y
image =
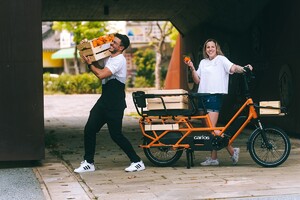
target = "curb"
x: 58, y: 181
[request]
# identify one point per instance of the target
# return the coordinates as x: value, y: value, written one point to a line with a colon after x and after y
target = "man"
x: 109, y: 109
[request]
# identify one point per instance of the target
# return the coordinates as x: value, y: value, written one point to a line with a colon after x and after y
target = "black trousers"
x: 100, y: 115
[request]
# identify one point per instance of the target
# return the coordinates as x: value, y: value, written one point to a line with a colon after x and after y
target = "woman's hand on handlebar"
x: 249, y: 67
x: 239, y: 69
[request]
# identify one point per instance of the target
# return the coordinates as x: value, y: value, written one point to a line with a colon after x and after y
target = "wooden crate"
x: 169, y: 91
x: 170, y: 99
x: 85, y: 45
x: 98, y: 56
x: 159, y: 106
x: 160, y: 127
x: 95, y: 50
x: 270, y: 111
x: 95, y: 53
x: 171, y: 102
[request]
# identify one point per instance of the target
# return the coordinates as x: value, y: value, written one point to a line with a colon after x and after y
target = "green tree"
x: 81, y: 30
x: 145, y: 64
x: 158, y: 42
x: 173, y: 36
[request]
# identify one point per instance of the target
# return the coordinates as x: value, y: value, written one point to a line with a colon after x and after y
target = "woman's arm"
x: 195, y: 76
x: 238, y: 69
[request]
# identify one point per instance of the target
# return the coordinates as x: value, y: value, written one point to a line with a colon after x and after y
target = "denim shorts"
x: 212, y: 102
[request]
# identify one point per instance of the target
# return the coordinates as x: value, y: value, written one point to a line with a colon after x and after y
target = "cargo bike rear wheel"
x: 163, y: 156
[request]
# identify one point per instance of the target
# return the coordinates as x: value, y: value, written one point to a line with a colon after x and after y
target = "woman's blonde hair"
x: 218, y: 48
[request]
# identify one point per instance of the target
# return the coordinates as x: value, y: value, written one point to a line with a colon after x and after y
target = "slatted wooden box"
x: 171, y: 102
x: 95, y: 53
x: 271, y: 110
x: 158, y: 127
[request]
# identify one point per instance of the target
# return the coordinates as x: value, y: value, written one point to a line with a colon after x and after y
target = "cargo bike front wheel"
x: 272, y: 151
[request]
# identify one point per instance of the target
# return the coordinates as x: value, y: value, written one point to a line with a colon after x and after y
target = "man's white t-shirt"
x: 214, y: 75
x: 117, y: 66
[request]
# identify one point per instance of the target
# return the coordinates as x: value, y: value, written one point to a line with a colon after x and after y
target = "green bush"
x: 65, y: 84
x: 145, y: 64
x: 86, y: 83
x: 142, y: 82
x: 50, y: 83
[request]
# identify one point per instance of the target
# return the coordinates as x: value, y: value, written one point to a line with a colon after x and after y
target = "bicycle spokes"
x: 269, y: 147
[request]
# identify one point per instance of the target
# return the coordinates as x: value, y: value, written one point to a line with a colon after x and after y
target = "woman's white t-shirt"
x: 214, y: 75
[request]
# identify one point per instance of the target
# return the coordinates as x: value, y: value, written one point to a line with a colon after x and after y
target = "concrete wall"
x: 21, y: 101
x: 271, y: 45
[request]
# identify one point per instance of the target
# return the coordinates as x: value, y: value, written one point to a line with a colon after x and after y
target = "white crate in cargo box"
x: 269, y: 111
x: 159, y: 106
x: 160, y: 127
x: 169, y: 91
x: 171, y: 102
x: 170, y: 99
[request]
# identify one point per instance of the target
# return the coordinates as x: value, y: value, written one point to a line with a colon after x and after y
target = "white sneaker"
x: 210, y: 161
x: 235, y: 156
x: 85, y: 167
x: 135, y: 167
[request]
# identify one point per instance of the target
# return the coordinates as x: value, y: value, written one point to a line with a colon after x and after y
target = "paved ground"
x: 19, y: 182
x: 65, y: 117
x: 53, y: 178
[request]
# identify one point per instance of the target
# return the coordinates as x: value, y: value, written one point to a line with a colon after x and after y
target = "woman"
x: 212, y: 76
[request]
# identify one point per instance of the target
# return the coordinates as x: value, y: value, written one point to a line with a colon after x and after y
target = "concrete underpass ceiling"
x: 231, y: 15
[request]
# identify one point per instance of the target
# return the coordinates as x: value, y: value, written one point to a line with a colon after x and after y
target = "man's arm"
x: 100, y: 73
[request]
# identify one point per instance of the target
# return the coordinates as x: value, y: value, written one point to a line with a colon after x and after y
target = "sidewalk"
x: 65, y: 117
x: 18, y: 182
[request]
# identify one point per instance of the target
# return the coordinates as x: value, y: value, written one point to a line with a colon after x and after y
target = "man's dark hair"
x: 125, y: 42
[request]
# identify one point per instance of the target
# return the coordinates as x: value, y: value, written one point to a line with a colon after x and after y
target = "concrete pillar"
x: 21, y: 81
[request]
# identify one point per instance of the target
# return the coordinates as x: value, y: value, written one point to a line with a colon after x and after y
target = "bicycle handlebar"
x: 248, y: 71
x: 247, y: 76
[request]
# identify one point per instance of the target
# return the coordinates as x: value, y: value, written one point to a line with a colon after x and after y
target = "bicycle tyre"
x: 276, y: 154
x: 163, y: 156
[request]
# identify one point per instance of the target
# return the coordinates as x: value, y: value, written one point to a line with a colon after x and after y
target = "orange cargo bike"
x: 169, y: 132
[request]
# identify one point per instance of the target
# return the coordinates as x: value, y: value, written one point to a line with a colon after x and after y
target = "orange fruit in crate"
x: 110, y: 37
x: 94, y: 42
x: 102, y: 40
x: 99, y: 42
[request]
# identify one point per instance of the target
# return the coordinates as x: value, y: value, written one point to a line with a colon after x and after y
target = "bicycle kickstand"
x: 190, y: 158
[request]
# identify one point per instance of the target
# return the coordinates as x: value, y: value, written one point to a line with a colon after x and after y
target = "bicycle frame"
x: 187, y: 126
